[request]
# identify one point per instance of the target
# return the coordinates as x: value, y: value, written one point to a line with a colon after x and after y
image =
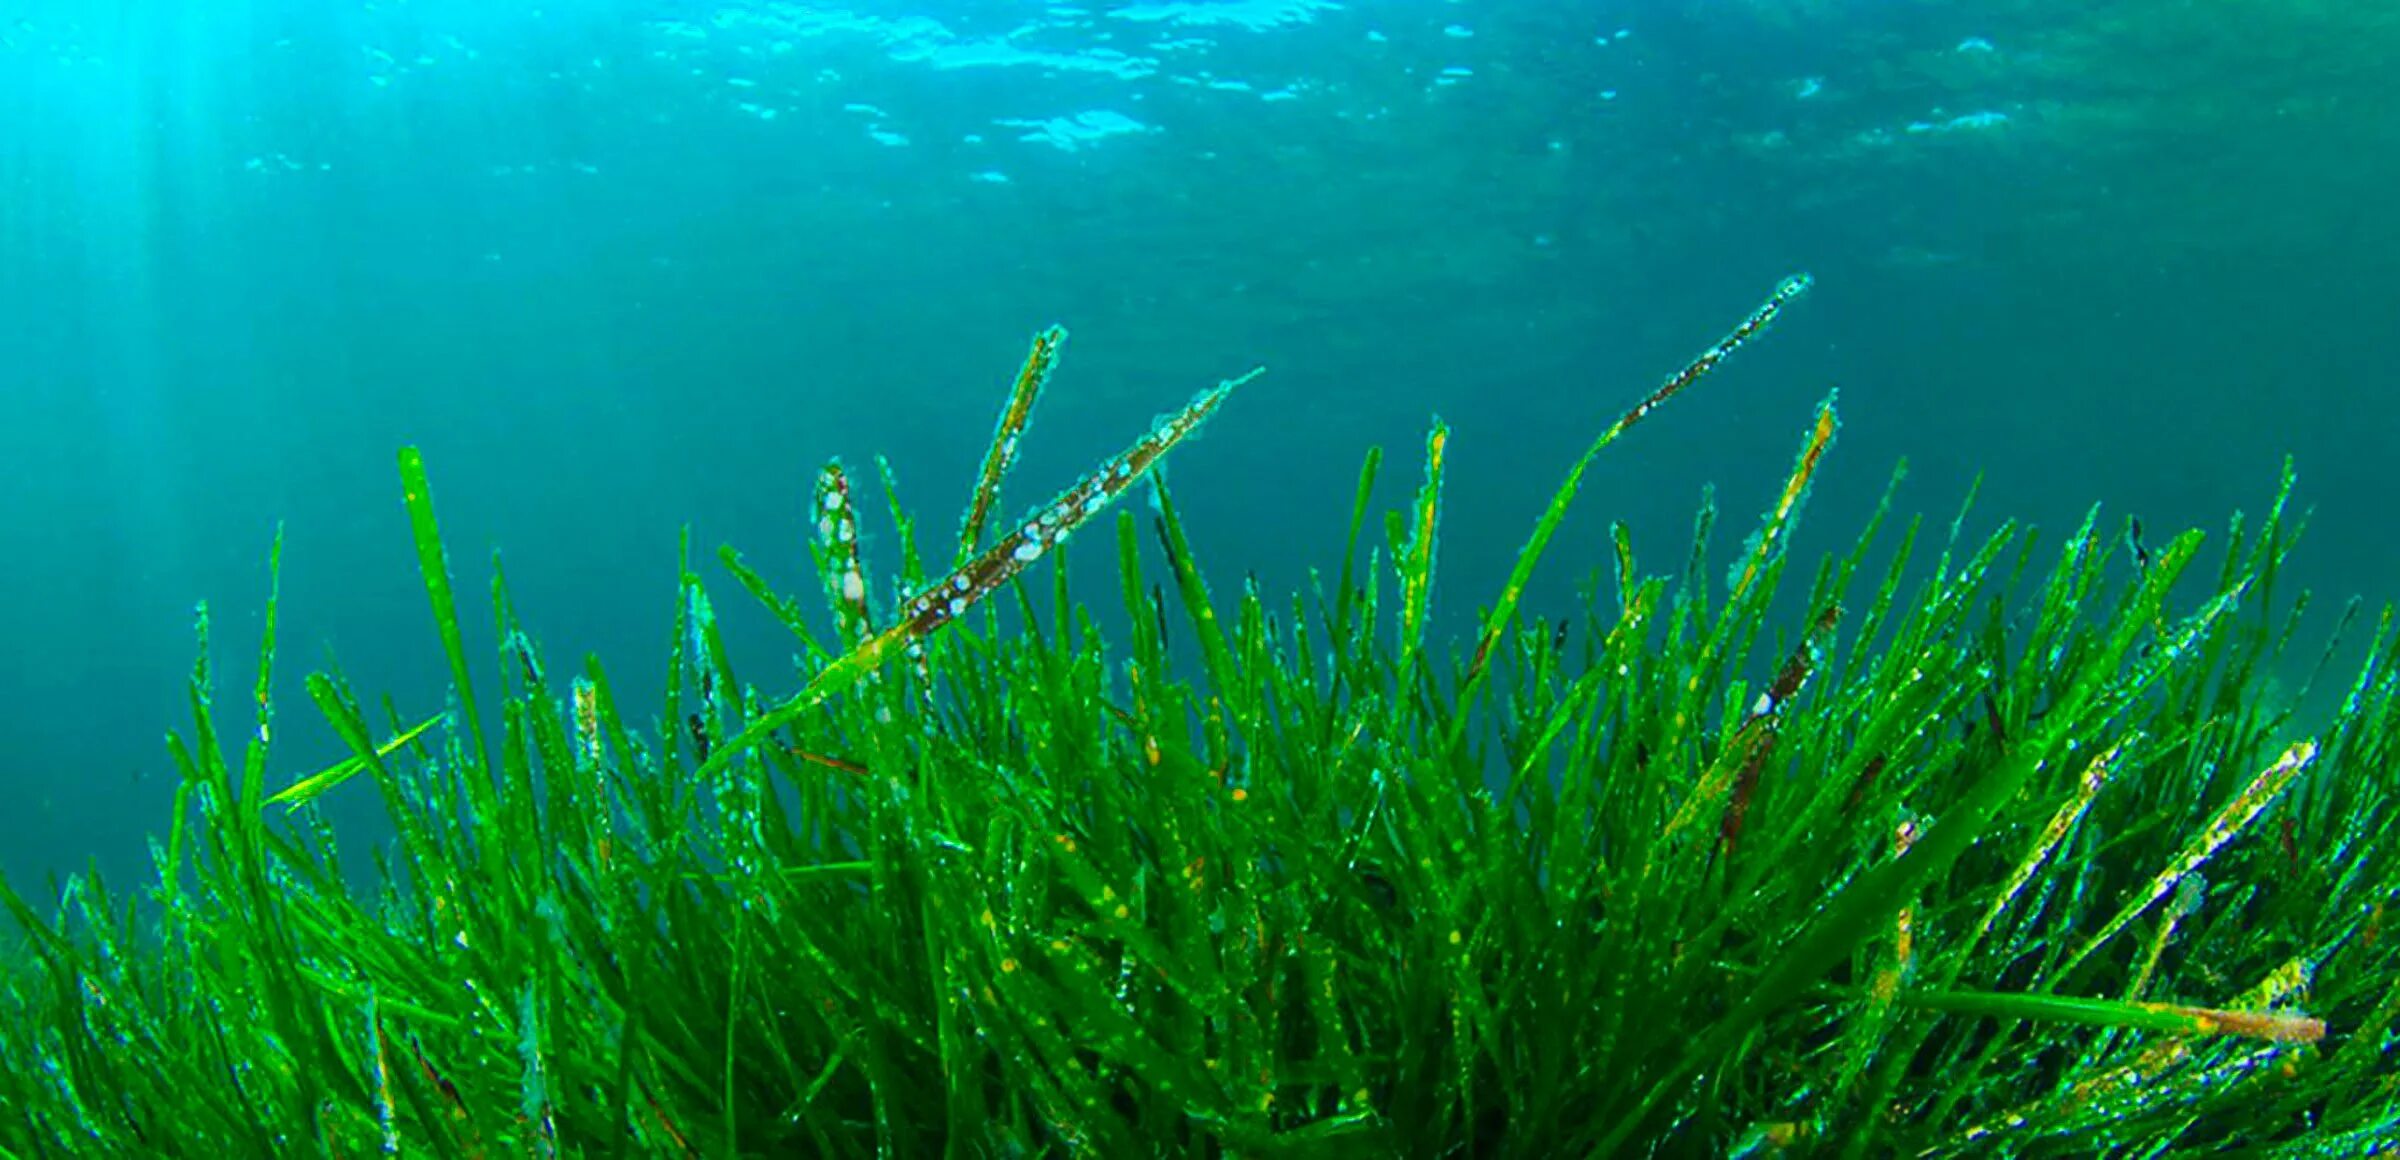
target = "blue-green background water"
x: 620, y: 267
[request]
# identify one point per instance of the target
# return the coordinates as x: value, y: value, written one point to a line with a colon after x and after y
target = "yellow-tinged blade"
x: 1039, y: 362
x: 309, y: 788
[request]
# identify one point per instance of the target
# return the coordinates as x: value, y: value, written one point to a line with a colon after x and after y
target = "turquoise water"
x: 626, y: 267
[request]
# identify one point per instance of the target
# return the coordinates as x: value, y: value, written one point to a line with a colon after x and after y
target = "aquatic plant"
x: 1968, y: 858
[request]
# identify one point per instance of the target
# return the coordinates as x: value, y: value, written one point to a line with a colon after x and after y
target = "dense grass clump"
x: 2019, y: 859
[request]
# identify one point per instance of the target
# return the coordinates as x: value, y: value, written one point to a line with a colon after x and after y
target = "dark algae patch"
x: 1939, y: 847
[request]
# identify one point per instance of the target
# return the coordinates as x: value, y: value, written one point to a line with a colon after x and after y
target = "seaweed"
x: 1918, y: 869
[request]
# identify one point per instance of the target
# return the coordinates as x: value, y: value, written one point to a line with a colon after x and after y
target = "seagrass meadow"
x: 2001, y: 847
